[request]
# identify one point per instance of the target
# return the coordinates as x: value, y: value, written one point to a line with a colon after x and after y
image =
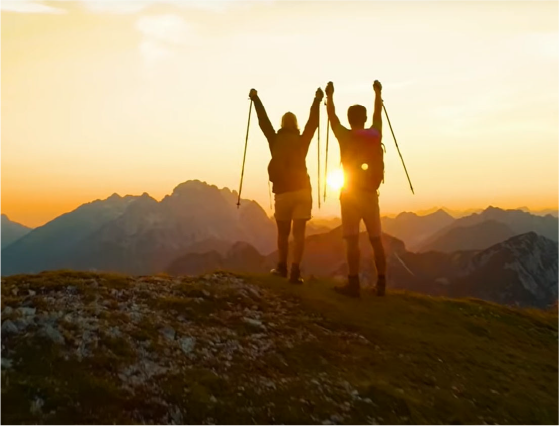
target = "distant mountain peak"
x: 12, y: 231
x: 191, y: 184
x: 406, y: 214
x: 442, y: 213
x: 491, y: 209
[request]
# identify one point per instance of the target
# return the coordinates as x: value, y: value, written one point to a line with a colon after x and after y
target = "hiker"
x: 287, y: 171
x: 361, y: 153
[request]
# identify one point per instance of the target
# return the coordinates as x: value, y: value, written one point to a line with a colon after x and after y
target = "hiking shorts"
x: 357, y: 205
x: 293, y: 205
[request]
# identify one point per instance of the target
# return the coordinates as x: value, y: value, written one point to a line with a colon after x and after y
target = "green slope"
x: 227, y: 349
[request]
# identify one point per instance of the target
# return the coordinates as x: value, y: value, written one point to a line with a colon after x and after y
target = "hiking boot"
x: 295, y: 276
x: 381, y: 285
x: 351, y: 289
x: 280, y: 271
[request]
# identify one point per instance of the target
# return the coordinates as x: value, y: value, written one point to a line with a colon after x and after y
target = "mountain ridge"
x: 518, y: 221
x: 138, y: 234
x: 12, y: 231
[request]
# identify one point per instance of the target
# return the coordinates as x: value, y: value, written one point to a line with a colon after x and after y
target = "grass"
x: 443, y: 360
x: 420, y: 359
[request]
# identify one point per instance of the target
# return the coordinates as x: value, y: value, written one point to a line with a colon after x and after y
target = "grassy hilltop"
x: 223, y: 348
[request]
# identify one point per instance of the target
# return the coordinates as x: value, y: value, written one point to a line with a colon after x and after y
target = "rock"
x: 187, y: 344
x: 213, y: 399
x: 9, y: 327
x: 32, y: 292
x: 254, y: 323
x: 71, y: 289
x: 254, y: 292
x: 27, y: 311
x: 135, y: 317
x: 6, y: 363
x: 114, y: 332
x: 14, y: 291
x: 168, y: 332
x: 23, y: 323
x: 52, y: 333
x: 138, y: 374
x: 176, y: 415
x: 7, y: 311
x: 36, y: 405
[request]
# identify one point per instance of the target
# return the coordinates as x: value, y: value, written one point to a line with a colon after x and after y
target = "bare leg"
x: 380, y: 258
x: 284, y: 229
x: 380, y: 262
x: 298, y: 240
x: 353, y: 255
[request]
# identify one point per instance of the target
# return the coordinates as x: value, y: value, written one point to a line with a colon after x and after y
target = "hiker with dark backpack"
x: 361, y: 152
x: 287, y: 171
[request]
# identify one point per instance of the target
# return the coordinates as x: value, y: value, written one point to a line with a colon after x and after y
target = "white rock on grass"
x: 168, y: 332
x: 52, y: 333
x: 36, y: 405
x: 23, y: 323
x: 254, y: 323
x: 187, y: 344
x: 6, y: 363
x: 7, y: 311
x: 27, y: 311
x: 9, y: 327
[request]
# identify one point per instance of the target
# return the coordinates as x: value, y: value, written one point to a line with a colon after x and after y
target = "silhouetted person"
x: 361, y: 152
x: 287, y: 171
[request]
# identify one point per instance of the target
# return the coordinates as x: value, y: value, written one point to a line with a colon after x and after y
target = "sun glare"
x: 335, y: 179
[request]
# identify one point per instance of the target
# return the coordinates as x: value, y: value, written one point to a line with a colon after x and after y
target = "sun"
x: 335, y: 179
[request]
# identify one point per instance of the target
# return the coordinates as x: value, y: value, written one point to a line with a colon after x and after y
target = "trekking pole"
x: 318, y: 156
x: 326, y: 159
x: 244, y: 156
x: 270, y: 195
x: 398, y: 148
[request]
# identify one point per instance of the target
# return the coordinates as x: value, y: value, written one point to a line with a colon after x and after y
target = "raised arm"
x: 330, y: 108
x: 337, y: 128
x: 263, y: 120
x: 377, y: 114
x: 312, y: 123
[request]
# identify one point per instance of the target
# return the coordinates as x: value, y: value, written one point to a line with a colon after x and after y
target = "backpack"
x: 287, y: 168
x: 363, y: 160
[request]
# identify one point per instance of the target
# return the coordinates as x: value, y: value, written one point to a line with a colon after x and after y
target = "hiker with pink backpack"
x: 362, y: 156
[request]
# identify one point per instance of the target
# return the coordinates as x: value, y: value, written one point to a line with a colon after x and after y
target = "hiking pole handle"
x: 244, y: 156
x: 397, y: 147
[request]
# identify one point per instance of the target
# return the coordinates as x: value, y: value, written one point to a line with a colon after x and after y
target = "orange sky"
x: 132, y: 97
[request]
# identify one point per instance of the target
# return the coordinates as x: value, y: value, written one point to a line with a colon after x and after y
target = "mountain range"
x: 12, y: 231
x: 475, y: 237
x: 198, y: 228
x: 517, y: 222
x: 137, y: 234
x: 520, y: 271
x: 413, y: 229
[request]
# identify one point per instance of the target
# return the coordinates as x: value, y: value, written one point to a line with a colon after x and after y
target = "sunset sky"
x: 132, y: 97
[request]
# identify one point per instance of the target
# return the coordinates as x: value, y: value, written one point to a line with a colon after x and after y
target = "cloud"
x: 26, y: 6
x: 135, y: 6
x: 161, y: 34
x: 124, y: 6
x: 164, y: 28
